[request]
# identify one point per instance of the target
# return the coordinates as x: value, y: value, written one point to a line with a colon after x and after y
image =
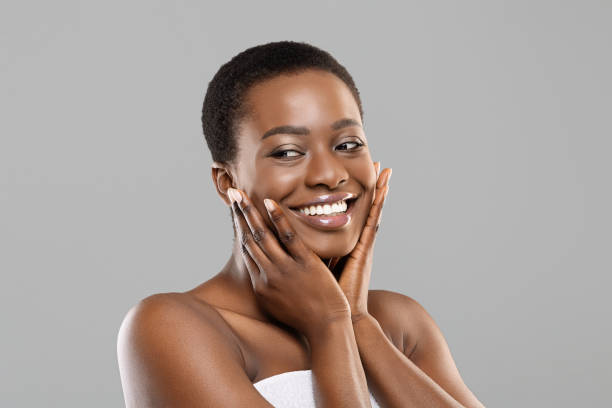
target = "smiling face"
x: 303, y: 143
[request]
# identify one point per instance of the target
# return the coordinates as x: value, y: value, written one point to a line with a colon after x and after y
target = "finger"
x: 382, y: 190
x: 262, y: 235
x: 380, y: 208
x: 373, y: 222
x: 285, y: 231
x: 383, y: 178
x: 247, y: 243
x: 377, y: 169
x: 253, y: 269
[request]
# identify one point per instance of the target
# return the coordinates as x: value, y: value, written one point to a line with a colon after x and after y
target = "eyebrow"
x: 301, y: 130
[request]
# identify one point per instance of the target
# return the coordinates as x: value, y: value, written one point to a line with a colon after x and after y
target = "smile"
x: 327, y: 212
x: 325, y: 209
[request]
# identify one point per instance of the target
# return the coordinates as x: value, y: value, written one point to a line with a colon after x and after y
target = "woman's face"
x: 304, y: 144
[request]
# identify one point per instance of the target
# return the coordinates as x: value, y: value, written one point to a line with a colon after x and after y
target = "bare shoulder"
x: 389, y: 300
x: 156, y: 317
x: 176, y: 311
x: 424, y: 343
x: 175, y: 350
x: 400, y: 316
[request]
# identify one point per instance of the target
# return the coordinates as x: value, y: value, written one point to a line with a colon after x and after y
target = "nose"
x: 324, y: 168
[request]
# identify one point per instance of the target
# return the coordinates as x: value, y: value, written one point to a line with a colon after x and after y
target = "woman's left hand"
x: 357, y: 266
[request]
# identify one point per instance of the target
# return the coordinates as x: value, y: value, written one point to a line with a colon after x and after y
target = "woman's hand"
x: 296, y: 287
x: 356, y: 267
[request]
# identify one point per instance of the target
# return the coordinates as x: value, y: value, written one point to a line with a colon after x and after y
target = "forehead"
x: 312, y: 98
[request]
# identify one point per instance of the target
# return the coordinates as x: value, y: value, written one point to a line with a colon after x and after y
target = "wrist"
x: 329, y: 328
x: 356, y: 317
x: 364, y: 322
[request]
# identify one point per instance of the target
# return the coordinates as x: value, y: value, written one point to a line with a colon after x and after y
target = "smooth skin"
x: 299, y: 290
x: 292, y: 296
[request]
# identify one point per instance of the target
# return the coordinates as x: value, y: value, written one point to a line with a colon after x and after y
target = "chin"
x: 333, y: 247
x: 328, y: 253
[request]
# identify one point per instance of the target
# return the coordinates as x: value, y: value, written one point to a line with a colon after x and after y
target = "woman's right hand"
x: 293, y: 285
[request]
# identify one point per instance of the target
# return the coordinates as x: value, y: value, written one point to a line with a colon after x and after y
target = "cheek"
x: 371, y: 183
x: 365, y: 175
x: 276, y: 184
x: 267, y: 171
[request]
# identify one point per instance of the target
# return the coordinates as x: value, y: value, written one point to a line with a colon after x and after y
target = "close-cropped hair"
x: 224, y: 103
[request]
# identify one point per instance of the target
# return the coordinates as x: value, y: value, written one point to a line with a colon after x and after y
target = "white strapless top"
x: 292, y: 389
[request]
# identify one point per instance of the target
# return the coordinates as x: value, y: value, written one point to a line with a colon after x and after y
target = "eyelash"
x: 279, y: 154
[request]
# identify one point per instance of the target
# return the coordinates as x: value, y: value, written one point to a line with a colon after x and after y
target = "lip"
x: 329, y: 222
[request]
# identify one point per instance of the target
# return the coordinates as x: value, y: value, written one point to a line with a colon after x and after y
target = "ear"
x: 222, y: 176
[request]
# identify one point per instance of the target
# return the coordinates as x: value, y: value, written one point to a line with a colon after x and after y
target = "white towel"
x: 292, y: 389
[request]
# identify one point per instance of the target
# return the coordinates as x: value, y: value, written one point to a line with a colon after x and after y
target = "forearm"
x: 395, y: 381
x: 338, y: 375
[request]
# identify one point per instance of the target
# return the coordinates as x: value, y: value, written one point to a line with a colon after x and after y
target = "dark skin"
x: 292, y: 296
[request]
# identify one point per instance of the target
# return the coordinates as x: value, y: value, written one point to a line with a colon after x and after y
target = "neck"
x: 236, y: 275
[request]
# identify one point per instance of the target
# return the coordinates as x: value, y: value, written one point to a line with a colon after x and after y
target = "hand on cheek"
x: 293, y: 284
x: 357, y: 266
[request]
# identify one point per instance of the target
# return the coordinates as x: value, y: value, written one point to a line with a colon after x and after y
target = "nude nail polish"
x: 269, y: 205
x: 234, y: 195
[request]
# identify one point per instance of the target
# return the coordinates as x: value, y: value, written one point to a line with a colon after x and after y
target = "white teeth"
x: 325, y: 209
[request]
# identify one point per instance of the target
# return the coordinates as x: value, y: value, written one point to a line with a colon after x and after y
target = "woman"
x: 291, y: 307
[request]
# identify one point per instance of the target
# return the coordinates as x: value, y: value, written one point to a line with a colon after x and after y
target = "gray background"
x: 495, y: 117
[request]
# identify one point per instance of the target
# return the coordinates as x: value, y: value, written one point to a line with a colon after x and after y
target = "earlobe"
x: 223, y: 180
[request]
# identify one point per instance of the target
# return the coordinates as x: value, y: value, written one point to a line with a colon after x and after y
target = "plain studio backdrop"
x: 495, y: 117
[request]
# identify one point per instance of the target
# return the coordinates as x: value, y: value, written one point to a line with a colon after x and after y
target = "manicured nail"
x: 389, y: 176
x: 381, y: 181
x: 234, y: 195
x: 269, y: 204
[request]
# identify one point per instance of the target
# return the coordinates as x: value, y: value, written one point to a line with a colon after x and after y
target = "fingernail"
x: 269, y: 204
x: 234, y: 195
x: 389, y: 176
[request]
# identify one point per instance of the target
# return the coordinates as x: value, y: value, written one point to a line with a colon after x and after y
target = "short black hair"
x: 224, y: 105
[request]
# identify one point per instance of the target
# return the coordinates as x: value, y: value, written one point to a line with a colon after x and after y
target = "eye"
x: 349, y: 146
x: 286, y: 153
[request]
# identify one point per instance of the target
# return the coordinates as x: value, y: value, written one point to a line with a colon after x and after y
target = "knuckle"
x: 282, y: 267
x: 276, y: 216
x: 259, y: 235
x: 288, y: 237
x: 244, y: 249
x: 273, y: 278
x: 259, y: 287
x: 247, y: 208
x: 245, y: 237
